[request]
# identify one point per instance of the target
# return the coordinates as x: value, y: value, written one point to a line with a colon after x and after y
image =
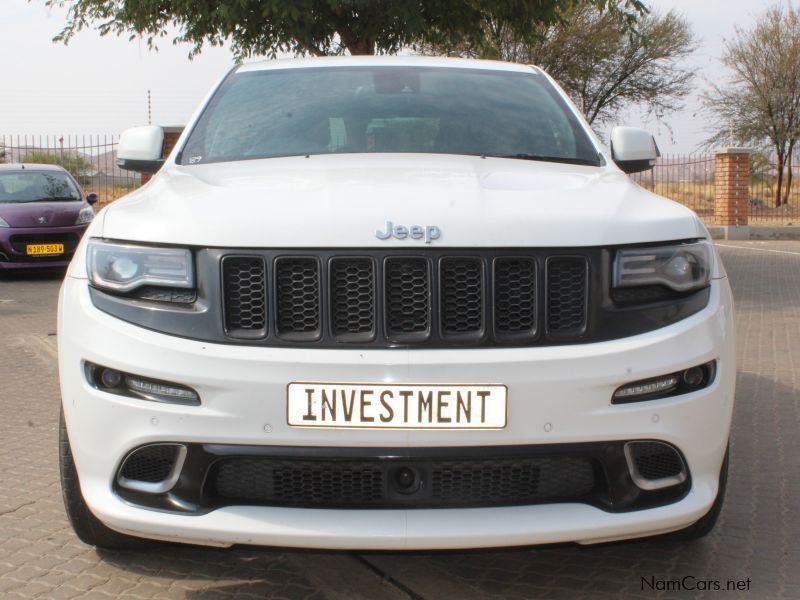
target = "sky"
x: 99, y: 85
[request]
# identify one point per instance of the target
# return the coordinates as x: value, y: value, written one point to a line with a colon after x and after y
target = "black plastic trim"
x: 204, y: 320
x: 614, y: 490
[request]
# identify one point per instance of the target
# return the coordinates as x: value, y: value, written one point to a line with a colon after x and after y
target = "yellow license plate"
x: 44, y: 249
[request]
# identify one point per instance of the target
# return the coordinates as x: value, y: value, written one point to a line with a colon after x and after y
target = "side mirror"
x: 140, y: 149
x: 633, y: 149
x: 91, y: 198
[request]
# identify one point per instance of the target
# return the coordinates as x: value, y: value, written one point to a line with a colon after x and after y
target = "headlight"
x: 681, y: 267
x: 124, y: 267
x: 3, y: 223
x: 85, y: 216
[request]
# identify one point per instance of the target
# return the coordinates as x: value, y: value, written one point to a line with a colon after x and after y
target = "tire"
x: 705, y: 524
x: 87, y: 527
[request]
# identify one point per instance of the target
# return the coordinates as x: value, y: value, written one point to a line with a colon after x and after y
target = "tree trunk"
x: 779, y: 186
x: 788, y: 187
x: 361, y: 46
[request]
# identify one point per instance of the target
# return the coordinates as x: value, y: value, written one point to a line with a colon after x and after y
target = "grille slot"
x: 407, y: 299
x: 297, y: 298
x: 151, y: 464
x: 352, y: 303
x: 461, y: 297
x: 515, y: 303
x: 501, y: 481
x: 567, y: 290
x: 245, y: 290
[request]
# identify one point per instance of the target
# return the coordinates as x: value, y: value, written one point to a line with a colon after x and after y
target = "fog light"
x: 664, y: 386
x: 135, y: 386
x: 110, y: 378
x: 167, y: 392
x: 648, y: 387
x: 694, y: 376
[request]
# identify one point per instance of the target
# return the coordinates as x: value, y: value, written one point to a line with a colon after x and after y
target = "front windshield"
x: 37, y: 186
x: 289, y: 112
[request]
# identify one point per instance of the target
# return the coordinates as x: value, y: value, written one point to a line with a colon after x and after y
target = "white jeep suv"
x: 393, y: 303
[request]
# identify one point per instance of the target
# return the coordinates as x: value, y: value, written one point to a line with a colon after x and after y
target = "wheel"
x: 703, y: 527
x: 87, y: 527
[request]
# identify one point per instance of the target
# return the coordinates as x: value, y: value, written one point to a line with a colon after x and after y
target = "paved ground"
x: 756, y: 537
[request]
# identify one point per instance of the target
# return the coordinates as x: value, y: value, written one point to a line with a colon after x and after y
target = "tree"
x: 760, y: 104
x: 75, y: 164
x: 600, y: 62
x: 319, y: 27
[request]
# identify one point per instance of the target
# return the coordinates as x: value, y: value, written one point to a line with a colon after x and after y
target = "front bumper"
x: 14, y: 257
x: 557, y: 395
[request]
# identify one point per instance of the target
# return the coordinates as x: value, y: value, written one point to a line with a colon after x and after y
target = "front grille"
x: 150, y: 464
x: 372, y: 482
x: 433, y: 298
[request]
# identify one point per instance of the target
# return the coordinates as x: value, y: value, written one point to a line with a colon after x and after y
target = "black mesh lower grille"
x: 245, y: 286
x: 408, y: 298
x: 151, y: 464
x: 567, y: 283
x: 297, y: 297
x: 656, y: 461
x: 462, y: 302
x: 352, y: 298
x: 372, y: 482
x: 291, y: 482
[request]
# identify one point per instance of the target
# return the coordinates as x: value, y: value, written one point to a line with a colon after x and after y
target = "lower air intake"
x: 654, y: 465
x: 152, y: 468
x: 373, y: 483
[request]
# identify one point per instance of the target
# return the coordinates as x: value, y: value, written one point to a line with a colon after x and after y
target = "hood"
x: 342, y: 200
x: 41, y: 214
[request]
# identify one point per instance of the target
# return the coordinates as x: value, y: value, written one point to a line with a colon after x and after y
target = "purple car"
x: 43, y: 214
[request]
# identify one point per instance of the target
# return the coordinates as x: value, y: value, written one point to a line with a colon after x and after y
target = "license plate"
x: 397, y: 406
x: 41, y: 249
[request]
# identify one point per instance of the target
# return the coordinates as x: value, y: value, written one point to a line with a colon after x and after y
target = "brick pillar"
x: 171, y: 135
x: 731, y: 186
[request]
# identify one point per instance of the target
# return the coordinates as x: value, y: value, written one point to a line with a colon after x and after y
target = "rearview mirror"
x: 633, y: 149
x: 141, y: 148
x: 91, y: 198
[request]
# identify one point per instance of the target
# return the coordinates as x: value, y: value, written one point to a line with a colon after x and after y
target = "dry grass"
x: 107, y: 195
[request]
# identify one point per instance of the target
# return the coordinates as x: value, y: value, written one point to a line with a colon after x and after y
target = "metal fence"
x: 685, y: 178
x: 689, y: 179
x: 90, y: 158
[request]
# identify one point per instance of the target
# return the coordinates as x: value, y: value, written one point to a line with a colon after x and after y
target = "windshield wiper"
x: 545, y: 158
